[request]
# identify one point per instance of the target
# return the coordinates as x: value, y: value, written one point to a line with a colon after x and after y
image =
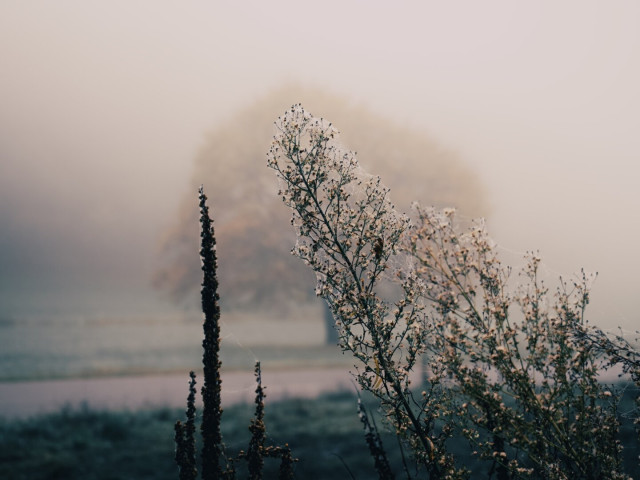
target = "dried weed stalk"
x: 214, y: 454
x: 513, y: 368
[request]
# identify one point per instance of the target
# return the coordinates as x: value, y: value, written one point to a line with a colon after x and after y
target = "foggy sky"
x: 105, y: 104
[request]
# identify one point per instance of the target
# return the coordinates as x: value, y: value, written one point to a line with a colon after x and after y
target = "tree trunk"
x: 331, y: 333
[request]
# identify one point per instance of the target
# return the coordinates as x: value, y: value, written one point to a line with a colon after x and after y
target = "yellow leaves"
x: 431, y: 450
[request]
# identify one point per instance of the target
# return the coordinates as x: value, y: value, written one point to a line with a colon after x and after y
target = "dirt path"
x: 24, y: 399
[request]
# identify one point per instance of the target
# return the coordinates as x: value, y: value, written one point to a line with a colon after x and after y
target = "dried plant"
x: 214, y: 453
x: 507, y: 363
x: 374, y: 442
x: 185, y: 437
x: 212, y: 410
x: 257, y: 451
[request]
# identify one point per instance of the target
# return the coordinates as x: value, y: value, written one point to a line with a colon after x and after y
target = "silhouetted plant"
x: 509, y: 368
x: 374, y: 442
x: 185, y: 437
x: 254, y: 457
x: 211, y: 410
x: 213, y: 450
x: 257, y: 451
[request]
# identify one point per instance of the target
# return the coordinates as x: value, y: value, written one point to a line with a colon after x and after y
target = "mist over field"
x: 108, y: 110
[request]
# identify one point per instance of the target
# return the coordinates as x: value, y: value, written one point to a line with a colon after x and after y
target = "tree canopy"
x: 256, y: 267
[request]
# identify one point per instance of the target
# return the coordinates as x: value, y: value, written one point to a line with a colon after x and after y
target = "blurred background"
x: 113, y: 113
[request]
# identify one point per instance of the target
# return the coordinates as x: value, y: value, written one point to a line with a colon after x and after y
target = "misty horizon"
x: 106, y: 107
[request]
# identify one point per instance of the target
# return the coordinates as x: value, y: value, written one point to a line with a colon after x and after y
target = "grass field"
x: 325, y: 434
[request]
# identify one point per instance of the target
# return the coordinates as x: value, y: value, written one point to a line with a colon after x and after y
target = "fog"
x: 104, y: 106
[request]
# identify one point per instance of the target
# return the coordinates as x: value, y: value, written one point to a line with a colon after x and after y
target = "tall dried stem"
x: 211, y: 389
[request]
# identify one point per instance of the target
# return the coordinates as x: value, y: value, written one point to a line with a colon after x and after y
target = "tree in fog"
x: 256, y: 267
